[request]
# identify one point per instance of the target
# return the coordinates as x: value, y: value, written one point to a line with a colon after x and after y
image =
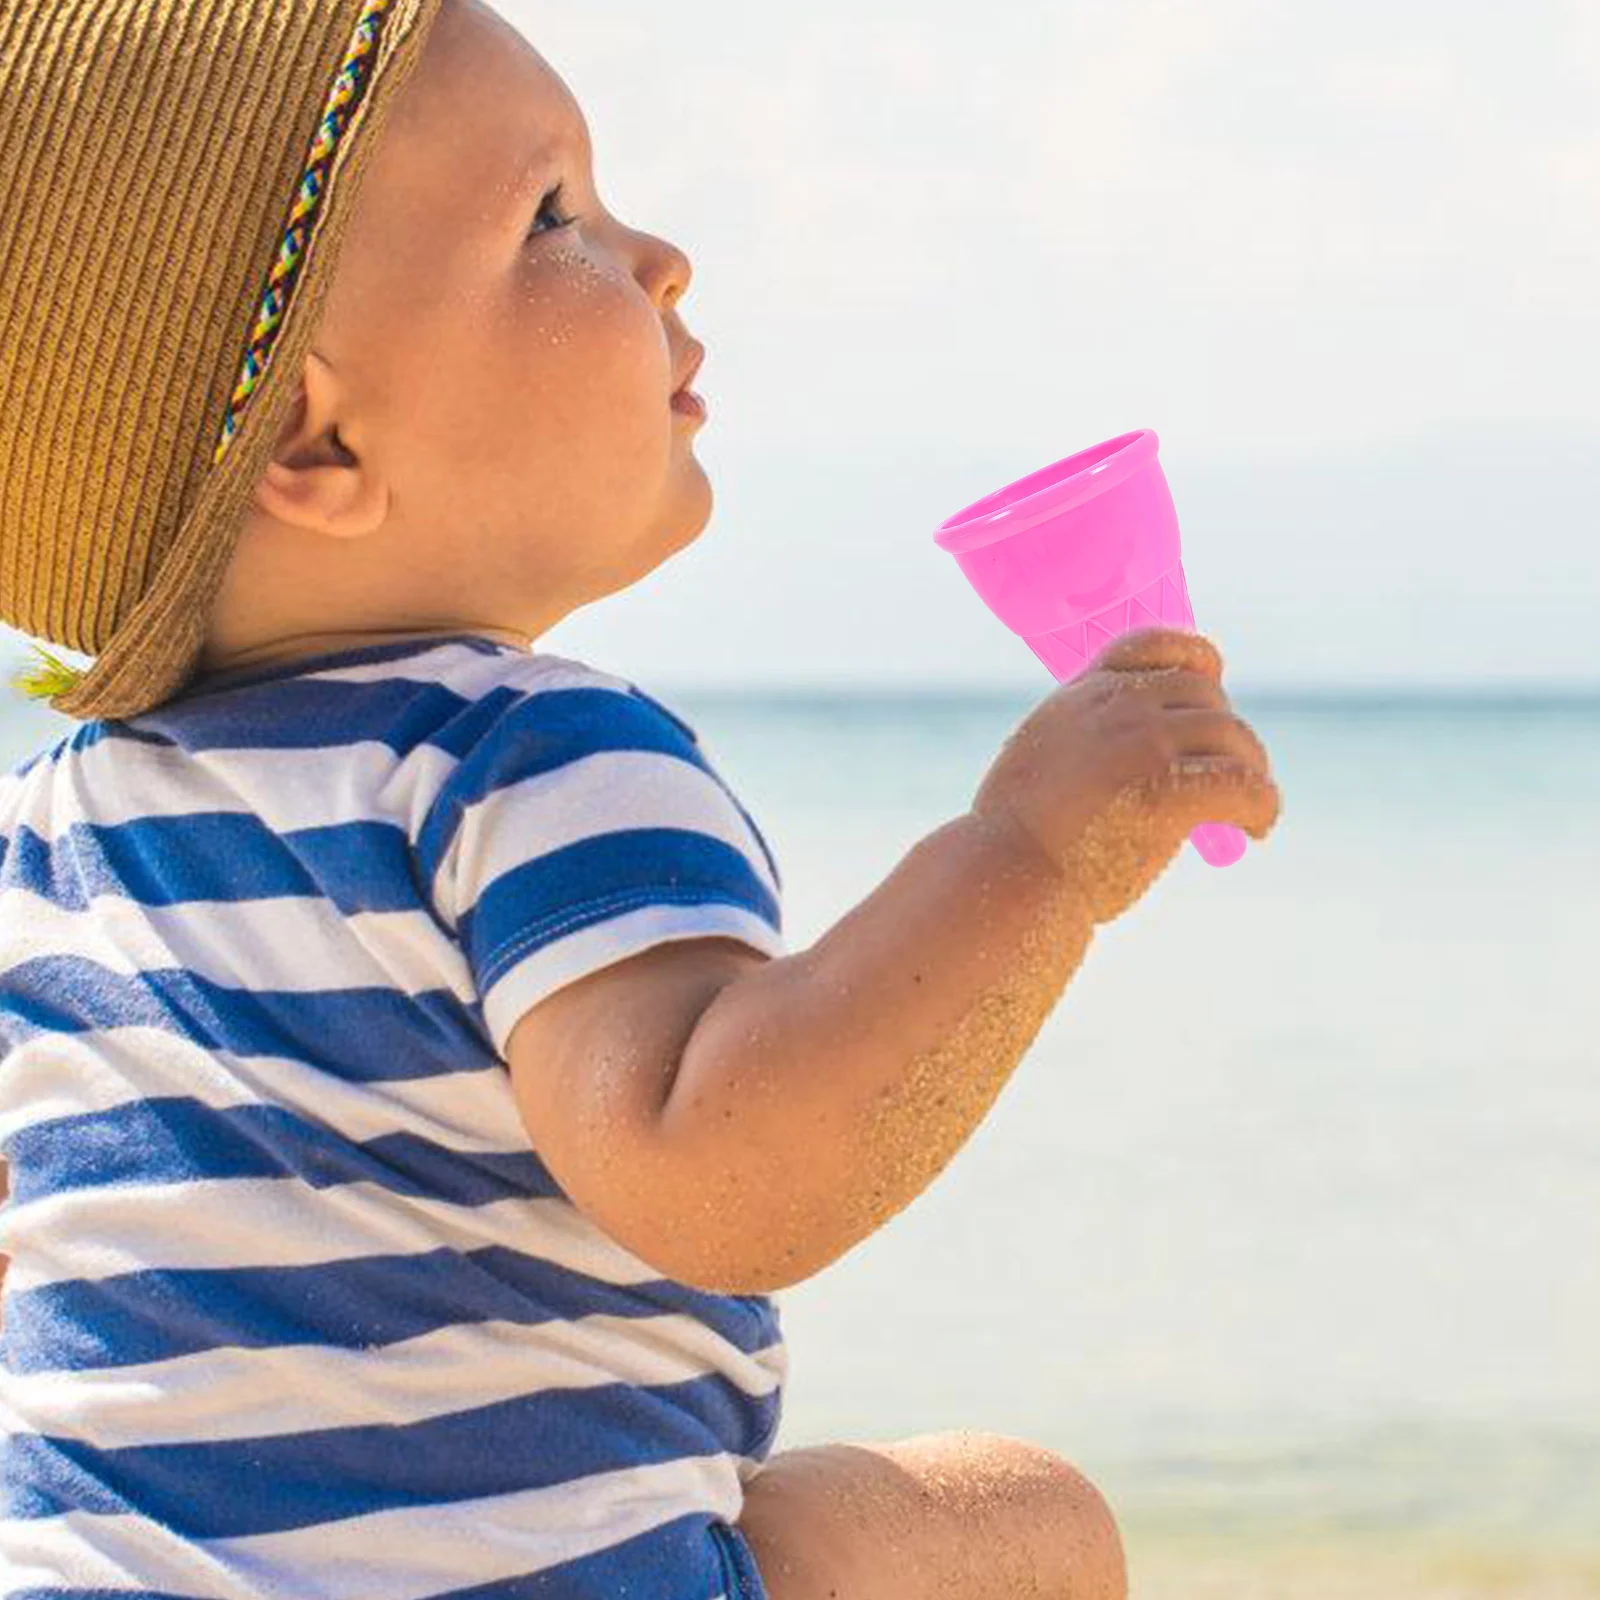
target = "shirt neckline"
x: 350, y: 656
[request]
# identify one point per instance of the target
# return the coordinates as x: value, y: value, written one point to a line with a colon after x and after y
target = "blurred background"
x: 1287, y: 1231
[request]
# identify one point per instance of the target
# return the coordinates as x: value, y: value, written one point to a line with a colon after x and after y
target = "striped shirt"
x: 294, y: 1309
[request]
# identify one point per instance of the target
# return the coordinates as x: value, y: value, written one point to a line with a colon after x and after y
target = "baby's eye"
x: 560, y: 220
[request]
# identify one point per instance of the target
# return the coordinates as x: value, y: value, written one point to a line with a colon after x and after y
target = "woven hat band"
x: 177, y: 177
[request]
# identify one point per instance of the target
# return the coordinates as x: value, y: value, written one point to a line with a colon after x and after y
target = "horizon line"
x: 1344, y: 694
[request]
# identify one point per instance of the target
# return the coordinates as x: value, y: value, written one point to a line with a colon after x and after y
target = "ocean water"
x: 1287, y: 1229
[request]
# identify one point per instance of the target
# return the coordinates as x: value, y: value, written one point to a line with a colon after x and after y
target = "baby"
x: 410, y: 1106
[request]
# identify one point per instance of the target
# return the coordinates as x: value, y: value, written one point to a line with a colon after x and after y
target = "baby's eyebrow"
x: 531, y: 173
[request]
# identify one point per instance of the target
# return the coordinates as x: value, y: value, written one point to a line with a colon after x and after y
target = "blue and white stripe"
x: 293, y: 1307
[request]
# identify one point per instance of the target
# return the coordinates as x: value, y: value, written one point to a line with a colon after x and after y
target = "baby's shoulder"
x: 545, y: 669
x: 544, y: 672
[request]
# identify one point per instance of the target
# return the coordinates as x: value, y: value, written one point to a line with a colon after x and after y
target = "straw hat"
x: 176, y: 177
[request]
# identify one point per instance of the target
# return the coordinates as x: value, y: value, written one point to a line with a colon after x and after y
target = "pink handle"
x: 1220, y: 843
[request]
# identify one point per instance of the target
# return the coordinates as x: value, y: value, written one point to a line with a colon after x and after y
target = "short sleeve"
x: 581, y: 825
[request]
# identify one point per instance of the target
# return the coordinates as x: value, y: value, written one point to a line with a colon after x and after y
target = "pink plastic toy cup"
x: 1078, y: 554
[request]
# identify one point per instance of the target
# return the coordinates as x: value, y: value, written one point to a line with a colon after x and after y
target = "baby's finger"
x: 1198, y: 789
x: 1203, y: 731
x: 1155, y: 649
x: 1174, y: 688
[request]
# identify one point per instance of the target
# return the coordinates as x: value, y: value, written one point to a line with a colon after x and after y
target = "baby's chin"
x: 700, y: 499
x: 685, y: 516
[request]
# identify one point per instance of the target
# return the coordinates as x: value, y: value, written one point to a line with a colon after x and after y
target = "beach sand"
x: 1366, y: 1568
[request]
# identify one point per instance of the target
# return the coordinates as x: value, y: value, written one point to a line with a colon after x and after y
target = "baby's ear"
x: 314, y: 481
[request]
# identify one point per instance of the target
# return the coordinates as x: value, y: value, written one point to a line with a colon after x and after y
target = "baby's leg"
x: 945, y: 1516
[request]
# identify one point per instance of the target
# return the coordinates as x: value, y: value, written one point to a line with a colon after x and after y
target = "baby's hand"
x: 1113, y: 771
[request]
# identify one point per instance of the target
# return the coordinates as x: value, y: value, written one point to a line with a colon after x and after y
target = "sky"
x: 1343, y: 256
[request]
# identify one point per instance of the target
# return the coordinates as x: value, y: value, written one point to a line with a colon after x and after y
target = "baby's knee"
x: 1068, y: 1521
x: 957, y: 1516
x: 1088, y: 1527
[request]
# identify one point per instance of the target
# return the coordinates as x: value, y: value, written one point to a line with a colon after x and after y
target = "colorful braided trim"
x: 349, y: 89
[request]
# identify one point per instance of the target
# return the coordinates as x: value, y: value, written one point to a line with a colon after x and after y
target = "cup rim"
x: 1067, y: 486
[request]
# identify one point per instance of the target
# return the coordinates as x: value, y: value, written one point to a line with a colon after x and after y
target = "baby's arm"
x: 740, y: 1122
